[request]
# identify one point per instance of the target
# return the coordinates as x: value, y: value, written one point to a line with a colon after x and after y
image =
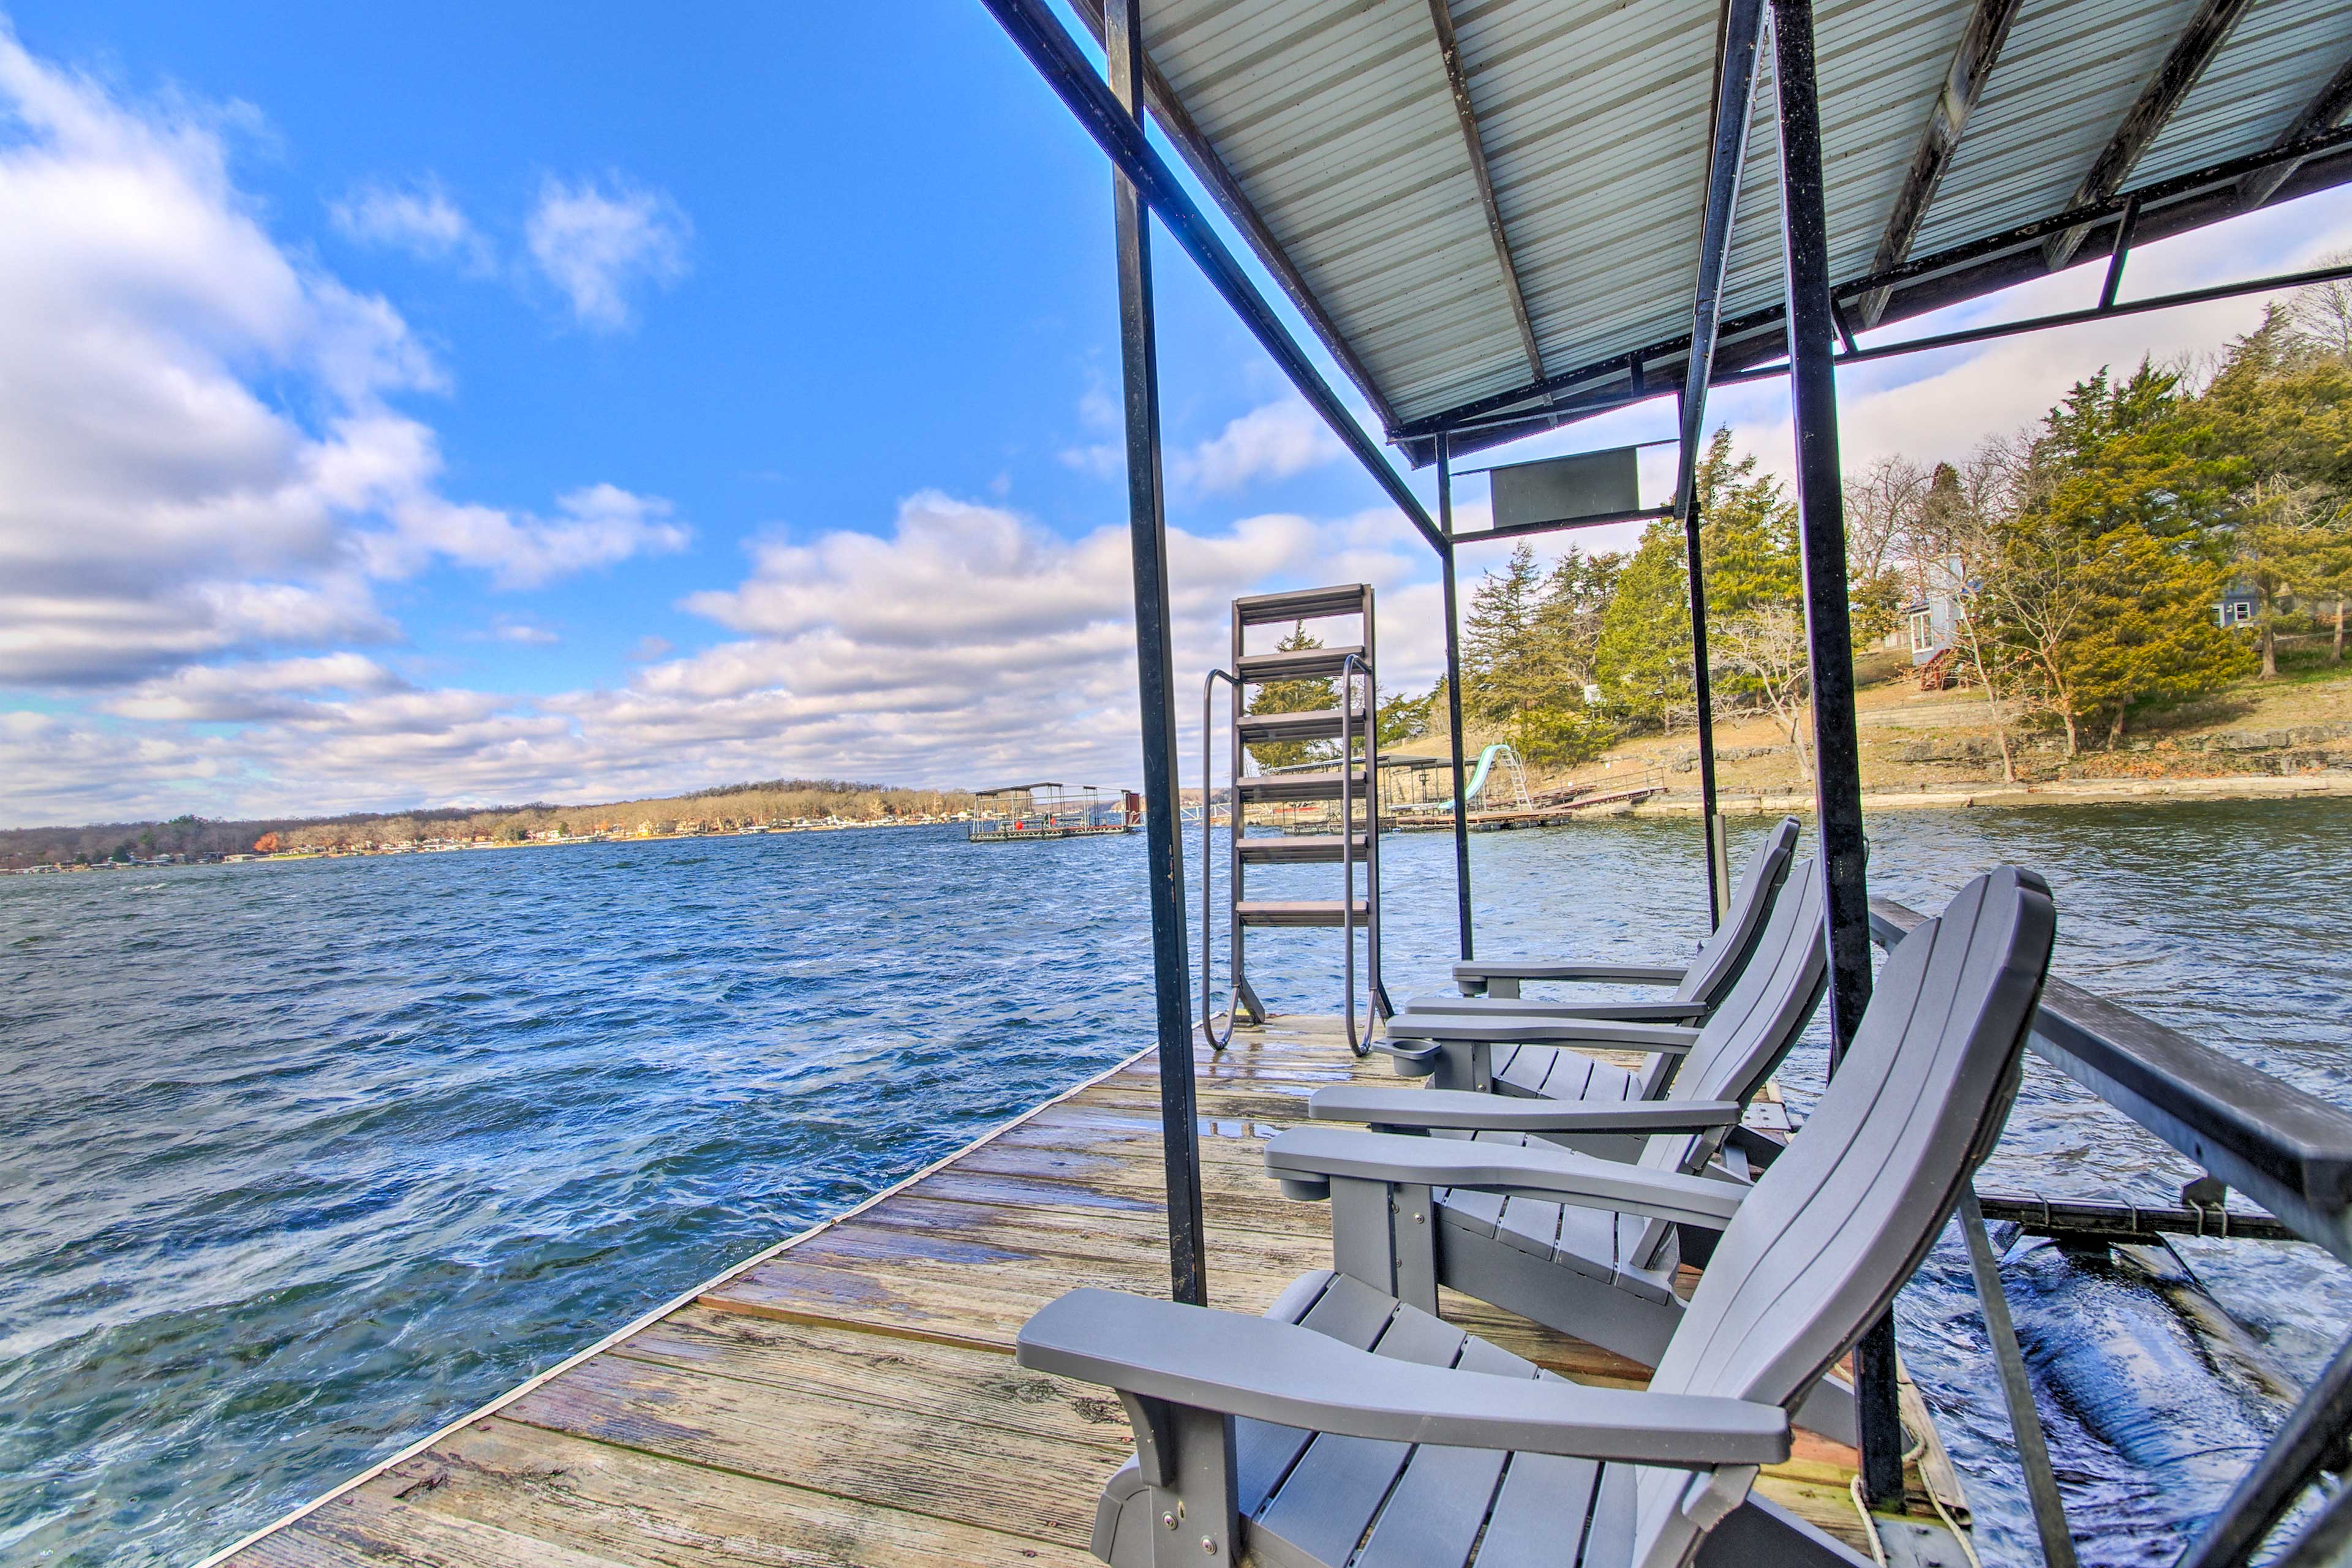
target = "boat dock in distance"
x: 1018, y: 812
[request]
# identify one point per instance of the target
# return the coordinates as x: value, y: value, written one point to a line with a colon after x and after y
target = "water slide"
x: 1477, y: 785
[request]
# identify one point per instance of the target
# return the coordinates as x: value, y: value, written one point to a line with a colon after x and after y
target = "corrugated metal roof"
x: 1335, y: 122
x: 2269, y: 70
x: 2070, y: 70
x: 1594, y: 222
x: 1879, y: 68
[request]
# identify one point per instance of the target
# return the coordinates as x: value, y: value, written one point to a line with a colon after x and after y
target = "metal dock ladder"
x: 1348, y: 777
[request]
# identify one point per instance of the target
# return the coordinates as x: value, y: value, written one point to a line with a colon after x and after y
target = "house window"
x: 1923, y: 631
x: 2234, y: 611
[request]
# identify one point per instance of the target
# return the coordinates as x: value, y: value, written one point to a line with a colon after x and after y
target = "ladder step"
x: 1303, y: 849
x: 1300, y: 787
x: 1298, y: 913
x: 1299, y: 664
x: 1320, y: 724
x: 1302, y: 604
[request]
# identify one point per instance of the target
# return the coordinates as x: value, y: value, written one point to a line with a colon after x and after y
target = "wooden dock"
x: 849, y: 1397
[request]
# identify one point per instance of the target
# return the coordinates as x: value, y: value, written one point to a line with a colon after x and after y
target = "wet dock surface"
x: 850, y: 1398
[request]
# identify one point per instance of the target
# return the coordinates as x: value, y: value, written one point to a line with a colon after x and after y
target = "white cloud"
x: 156, y: 508
x: 418, y: 217
x: 967, y: 641
x: 1103, y: 460
x: 1274, y: 441
x: 594, y: 527
x: 596, y: 245
x: 244, y: 693
x: 966, y: 644
x: 526, y: 634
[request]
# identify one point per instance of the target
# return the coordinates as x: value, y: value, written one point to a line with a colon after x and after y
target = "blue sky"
x: 561, y: 402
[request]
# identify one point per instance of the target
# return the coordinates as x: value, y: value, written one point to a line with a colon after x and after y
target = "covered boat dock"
x: 1491, y: 221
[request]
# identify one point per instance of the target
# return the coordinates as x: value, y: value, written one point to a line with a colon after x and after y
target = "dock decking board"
x: 851, y: 1399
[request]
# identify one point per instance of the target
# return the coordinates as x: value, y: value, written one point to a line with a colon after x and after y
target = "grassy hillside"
x: 2300, y: 723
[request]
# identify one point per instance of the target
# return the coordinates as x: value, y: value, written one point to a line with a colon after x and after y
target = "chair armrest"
x: 1472, y: 1112
x: 1612, y: 973
x: 1303, y: 1157
x: 1411, y: 1058
x: 1293, y: 1376
x: 1522, y: 1007
x: 1664, y: 1038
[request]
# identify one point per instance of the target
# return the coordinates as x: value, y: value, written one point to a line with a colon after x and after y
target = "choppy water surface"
x: 299, y: 1161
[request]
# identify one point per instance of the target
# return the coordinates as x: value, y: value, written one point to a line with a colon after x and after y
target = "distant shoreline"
x: 451, y: 849
x: 1738, y: 802
x: 2065, y: 792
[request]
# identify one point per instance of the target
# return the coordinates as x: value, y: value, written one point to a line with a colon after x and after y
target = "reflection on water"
x: 299, y: 1161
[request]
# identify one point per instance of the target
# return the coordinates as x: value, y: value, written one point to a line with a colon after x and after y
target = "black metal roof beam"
x: 1039, y: 34
x: 1956, y: 100
x: 1599, y: 520
x: 2094, y: 314
x: 1607, y: 400
x: 1977, y: 267
x: 1735, y: 101
x: 2199, y: 42
x: 2334, y: 101
x: 1211, y: 171
x: 1450, y: 51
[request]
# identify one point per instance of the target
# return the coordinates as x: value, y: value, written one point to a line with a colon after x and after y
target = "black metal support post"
x: 1156, y: 686
x: 1828, y: 631
x: 2016, y: 1388
x: 1453, y: 696
x: 2113, y: 281
x: 1734, y: 105
x: 1702, y: 694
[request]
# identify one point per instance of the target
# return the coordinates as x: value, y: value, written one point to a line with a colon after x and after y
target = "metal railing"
x: 2287, y: 1151
x: 1233, y: 828
x: 1360, y: 1044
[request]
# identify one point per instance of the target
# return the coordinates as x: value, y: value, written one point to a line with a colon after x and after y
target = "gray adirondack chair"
x: 1491, y: 987
x: 1752, y: 1028
x: 1350, y: 1428
x: 1604, y: 1277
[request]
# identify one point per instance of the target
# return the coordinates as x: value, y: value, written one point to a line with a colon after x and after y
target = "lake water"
x: 301, y: 1161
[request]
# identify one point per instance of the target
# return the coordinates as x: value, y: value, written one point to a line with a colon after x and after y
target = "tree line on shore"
x: 2075, y: 569
x: 723, y: 808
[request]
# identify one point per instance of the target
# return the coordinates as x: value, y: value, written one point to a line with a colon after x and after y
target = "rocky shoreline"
x: 2060, y: 791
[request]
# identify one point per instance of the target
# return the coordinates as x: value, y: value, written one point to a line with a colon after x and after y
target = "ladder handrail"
x: 1362, y: 1046
x: 1234, y: 825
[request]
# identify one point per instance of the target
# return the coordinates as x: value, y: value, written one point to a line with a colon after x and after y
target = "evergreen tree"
x: 1644, y: 649
x: 2120, y: 526
x: 1502, y: 649
x: 1405, y: 718
x: 1748, y: 534
x: 2276, y: 425
x: 1527, y: 654
x: 1294, y: 697
x: 1567, y: 622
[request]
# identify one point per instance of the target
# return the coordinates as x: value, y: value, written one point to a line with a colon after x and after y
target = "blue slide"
x: 1477, y: 785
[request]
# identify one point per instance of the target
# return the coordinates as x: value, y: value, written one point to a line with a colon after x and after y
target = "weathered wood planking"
x: 851, y: 1399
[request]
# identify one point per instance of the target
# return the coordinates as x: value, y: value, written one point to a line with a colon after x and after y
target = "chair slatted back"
x: 1837, y: 1223
x: 1748, y: 1035
x: 1725, y: 954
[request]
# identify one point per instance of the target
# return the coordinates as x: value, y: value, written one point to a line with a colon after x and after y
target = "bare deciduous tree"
x: 1767, y: 645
